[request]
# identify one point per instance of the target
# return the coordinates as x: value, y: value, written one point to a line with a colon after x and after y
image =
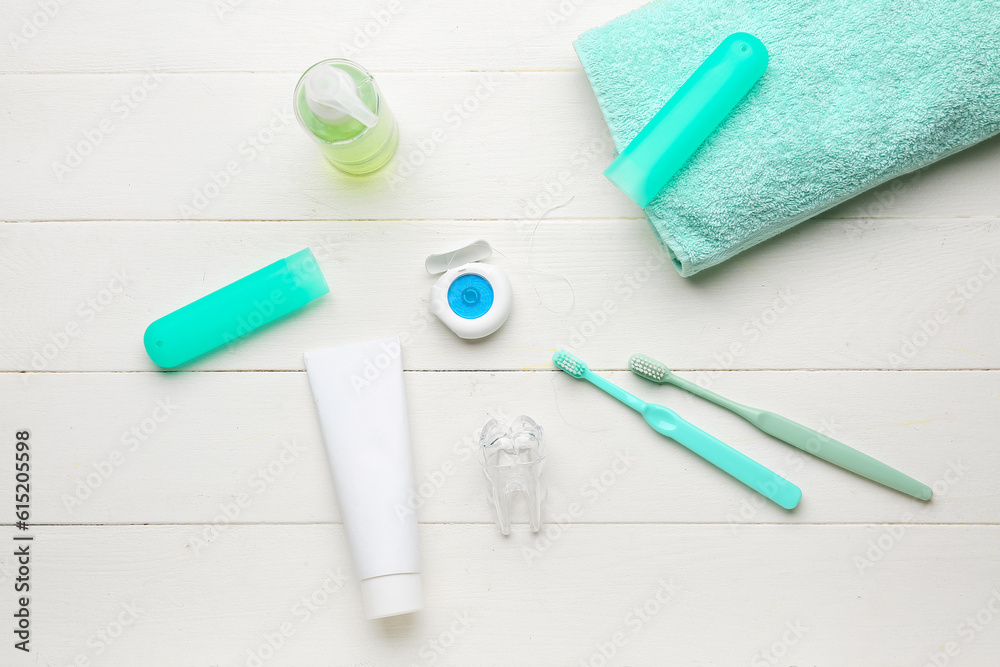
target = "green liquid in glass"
x: 348, y: 144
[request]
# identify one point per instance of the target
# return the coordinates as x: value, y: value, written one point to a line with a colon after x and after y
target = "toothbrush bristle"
x: 567, y: 363
x: 647, y: 367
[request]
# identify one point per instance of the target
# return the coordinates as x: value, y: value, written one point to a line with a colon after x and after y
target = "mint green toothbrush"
x: 793, y: 433
x: 663, y: 420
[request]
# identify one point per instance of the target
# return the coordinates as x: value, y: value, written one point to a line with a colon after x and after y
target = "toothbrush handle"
x: 814, y: 442
x: 838, y: 453
x: 762, y: 480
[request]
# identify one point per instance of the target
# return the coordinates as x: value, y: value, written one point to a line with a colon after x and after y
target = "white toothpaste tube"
x: 359, y: 395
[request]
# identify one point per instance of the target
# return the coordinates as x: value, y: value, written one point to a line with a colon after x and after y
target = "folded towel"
x: 856, y: 93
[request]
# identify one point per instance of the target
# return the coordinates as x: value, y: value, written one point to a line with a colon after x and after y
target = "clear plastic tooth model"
x: 513, y: 457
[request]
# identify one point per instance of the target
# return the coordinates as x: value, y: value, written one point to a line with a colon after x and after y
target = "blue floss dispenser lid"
x: 471, y: 298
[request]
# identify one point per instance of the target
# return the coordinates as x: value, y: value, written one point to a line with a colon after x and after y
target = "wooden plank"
x: 770, y: 595
x: 901, y: 294
x: 246, y: 447
x: 268, y: 35
x: 226, y: 146
x: 184, y: 113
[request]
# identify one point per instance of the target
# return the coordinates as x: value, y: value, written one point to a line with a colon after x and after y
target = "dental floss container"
x: 471, y: 298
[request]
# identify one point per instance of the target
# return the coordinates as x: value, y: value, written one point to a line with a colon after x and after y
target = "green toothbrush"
x: 793, y: 433
x: 663, y: 420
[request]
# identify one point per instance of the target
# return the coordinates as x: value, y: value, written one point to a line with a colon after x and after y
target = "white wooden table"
x: 189, y: 518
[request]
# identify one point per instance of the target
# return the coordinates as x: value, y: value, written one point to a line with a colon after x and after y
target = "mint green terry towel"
x: 856, y: 93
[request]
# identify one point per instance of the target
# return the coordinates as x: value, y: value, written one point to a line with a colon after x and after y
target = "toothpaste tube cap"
x: 392, y: 595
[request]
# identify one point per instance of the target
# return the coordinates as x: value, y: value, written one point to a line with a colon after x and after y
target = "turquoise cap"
x: 235, y: 310
x: 677, y: 130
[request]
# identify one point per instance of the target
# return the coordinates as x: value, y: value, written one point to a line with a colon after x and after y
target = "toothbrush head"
x: 569, y: 364
x: 649, y: 368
